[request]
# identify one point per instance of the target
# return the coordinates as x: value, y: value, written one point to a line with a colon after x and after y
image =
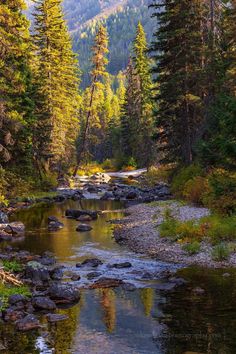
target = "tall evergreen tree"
x: 144, y: 146
x: 57, y: 79
x: 130, y: 112
x: 16, y: 105
x: 218, y: 146
x: 178, y: 53
x: 99, y: 61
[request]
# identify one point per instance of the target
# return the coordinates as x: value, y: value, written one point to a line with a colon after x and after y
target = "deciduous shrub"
x: 196, y: 189
x: 221, y: 195
x: 183, y: 176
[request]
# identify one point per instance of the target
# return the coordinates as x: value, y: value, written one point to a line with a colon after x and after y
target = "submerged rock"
x: 128, y: 287
x: 92, y: 262
x: 85, y: 218
x: 93, y: 275
x: 54, y: 224
x: 75, y: 277
x: 121, y: 265
x: 64, y: 293
x: 75, y: 214
x: 84, y: 228
x: 53, y: 317
x: 28, y: 323
x: 106, y: 283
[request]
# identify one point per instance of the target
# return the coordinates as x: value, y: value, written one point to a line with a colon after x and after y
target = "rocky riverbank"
x: 139, y: 231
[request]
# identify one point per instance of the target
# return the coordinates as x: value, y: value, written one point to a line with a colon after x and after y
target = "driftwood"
x: 7, y: 277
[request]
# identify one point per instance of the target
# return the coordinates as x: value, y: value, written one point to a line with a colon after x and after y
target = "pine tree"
x: 16, y: 105
x: 57, y: 79
x: 130, y: 112
x: 99, y: 61
x: 218, y: 146
x: 144, y: 146
x: 178, y: 53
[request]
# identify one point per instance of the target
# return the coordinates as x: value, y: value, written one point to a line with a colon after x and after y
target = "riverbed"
x: 194, y: 311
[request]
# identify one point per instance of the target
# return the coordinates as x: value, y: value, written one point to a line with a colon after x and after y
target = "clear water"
x: 111, y: 321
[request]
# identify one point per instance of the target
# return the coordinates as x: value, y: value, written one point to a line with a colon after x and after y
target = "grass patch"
x: 6, y: 291
x: 216, y: 228
x: 12, y: 266
x: 221, y: 252
x: 192, y: 248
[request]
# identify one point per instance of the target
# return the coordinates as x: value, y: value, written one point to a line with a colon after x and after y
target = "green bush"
x: 221, y: 252
x: 109, y: 165
x: 220, y: 229
x: 192, y: 248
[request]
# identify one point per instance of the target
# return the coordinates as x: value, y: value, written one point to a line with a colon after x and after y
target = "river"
x: 147, y: 320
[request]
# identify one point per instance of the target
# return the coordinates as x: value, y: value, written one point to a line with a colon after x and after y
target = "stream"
x: 152, y: 318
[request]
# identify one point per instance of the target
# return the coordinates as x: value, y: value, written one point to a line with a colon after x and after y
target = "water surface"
x: 111, y: 321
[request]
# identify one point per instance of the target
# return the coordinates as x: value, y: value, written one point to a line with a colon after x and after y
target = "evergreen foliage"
x: 57, y: 82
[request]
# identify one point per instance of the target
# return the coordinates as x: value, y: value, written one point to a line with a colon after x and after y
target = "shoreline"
x: 139, y: 232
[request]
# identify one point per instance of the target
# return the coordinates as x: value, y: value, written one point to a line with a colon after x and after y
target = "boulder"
x: 57, y: 273
x: 16, y: 228
x: 37, y: 272
x: 75, y: 214
x: 43, y: 303
x: 53, y: 317
x: 14, y: 299
x: 64, y: 293
x: 3, y: 218
x: 12, y: 315
x: 83, y: 228
x: 28, y: 323
x: 47, y: 260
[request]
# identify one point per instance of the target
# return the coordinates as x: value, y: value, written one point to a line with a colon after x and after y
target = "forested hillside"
x: 120, y: 17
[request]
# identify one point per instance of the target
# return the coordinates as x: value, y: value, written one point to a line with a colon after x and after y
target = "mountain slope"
x: 121, y: 18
